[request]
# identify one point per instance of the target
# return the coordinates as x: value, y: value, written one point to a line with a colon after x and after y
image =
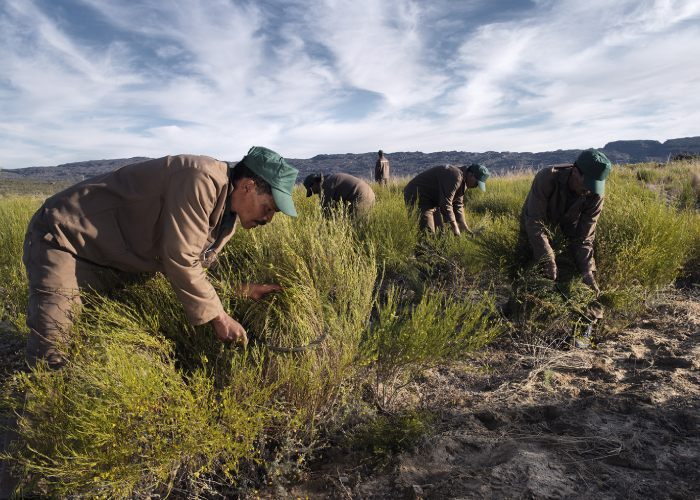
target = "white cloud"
x: 214, y: 77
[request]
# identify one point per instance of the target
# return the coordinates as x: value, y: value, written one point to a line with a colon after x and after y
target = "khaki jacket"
x: 346, y: 188
x: 440, y: 187
x: 551, y: 203
x: 169, y: 215
x: 381, y: 170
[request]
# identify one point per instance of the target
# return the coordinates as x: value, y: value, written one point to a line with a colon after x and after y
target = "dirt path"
x: 621, y: 421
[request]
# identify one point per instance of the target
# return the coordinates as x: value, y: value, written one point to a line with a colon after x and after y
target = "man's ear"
x: 247, y: 184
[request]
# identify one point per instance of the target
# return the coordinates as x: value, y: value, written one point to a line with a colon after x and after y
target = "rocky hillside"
x: 403, y: 163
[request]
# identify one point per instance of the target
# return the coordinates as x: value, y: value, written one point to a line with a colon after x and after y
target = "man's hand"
x: 589, y: 280
x: 228, y: 329
x: 256, y: 291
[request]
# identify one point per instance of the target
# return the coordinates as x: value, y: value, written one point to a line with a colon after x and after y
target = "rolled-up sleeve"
x: 536, y: 215
x: 582, y: 243
x: 188, y: 203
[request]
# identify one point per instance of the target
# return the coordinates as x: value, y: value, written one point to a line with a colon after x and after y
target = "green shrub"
x: 648, y: 175
x: 327, y: 277
x: 14, y: 214
x: 389, y: 434
x: 407, y: 339
x: 393, y: 232
x: 640, y: 240
x: 503, y: 196
x: 120, y: 420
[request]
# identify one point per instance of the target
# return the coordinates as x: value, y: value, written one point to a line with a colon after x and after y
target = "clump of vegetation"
x: 389, y: 434
x: 642, y: 242
x: 406, y: 339
x: 15, y: 213
x: 678, y: 181
x: 120, y: 420
x: 393, y: 231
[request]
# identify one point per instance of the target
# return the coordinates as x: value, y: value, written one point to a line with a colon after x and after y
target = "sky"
x: 94, y: 79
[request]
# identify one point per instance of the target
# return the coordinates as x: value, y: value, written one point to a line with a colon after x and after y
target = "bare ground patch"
x: 620, y: 421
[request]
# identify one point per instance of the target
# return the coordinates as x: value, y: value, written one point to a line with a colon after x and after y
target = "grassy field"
x: 150, y: 405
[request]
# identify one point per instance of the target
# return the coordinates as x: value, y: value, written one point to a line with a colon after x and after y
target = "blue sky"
x: 90, y: 79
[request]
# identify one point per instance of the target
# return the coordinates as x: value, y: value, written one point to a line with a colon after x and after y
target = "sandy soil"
x: 619, y: 421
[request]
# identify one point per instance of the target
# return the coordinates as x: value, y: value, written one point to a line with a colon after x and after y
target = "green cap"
x: 481, y: 173
x: 595, y: 168
x: 310, y: 180
x: 279, y: 174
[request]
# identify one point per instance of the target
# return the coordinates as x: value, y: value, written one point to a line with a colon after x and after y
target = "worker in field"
x: 571, y: 197
x: 381, y: 169
x: 341, y: 189
x: 171, y: 215
x: 438, y: 193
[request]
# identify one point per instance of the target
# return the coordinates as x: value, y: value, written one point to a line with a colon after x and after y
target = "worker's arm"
x: 458, y: 210
x: 535, y: 214
x: 448, y: 184
x: 582, y: 243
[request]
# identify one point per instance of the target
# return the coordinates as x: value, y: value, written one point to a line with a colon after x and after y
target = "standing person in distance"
x: 381, y: 169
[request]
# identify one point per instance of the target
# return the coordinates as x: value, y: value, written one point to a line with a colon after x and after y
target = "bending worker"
x: 439, y: 194
x: 570, y: 196
x: 340, y: 189
x: 381, y: 169
x: 172, y: 215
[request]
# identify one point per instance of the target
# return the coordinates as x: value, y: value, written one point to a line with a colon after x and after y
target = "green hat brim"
x: 595, y: 186
x: 284, y: 202
x: 482, y: 185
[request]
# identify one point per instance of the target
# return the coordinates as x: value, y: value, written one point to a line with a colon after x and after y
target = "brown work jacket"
x: 440, y: 187
x: 169, y: 215
x: 550, y: 202
x: 346, y: 188
x: 381, y: 169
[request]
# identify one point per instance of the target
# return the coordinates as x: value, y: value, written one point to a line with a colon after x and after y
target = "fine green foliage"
x: 503, y: 196
x: 393, y: 231
x: 678, y: 182
x: 121, y: 421
x: 641, y: 241
x: 14, y: 217
x: 387, y: 435
x: 327, y: 278
x: 407, y: 339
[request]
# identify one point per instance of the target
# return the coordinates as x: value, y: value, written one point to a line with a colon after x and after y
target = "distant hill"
x: 402, y: 163
x: 73, y: 172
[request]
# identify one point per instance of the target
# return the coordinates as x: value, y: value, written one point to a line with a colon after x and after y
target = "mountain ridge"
x: 403, y: 163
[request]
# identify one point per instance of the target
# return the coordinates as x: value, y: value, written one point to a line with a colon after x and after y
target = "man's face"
x: 253, y: 208
x: 471, y: 180
x: 576, y: 183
